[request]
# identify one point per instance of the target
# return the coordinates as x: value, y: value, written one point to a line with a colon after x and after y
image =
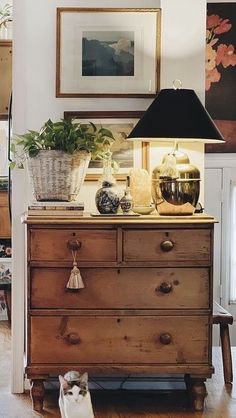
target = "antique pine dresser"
x: 146, y: 306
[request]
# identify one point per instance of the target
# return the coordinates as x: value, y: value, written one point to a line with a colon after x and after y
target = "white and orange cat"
x: 75, y: 399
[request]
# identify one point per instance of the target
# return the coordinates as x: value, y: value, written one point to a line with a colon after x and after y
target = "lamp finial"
x: 177, y: 84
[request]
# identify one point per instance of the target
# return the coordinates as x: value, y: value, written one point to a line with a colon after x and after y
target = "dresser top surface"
x: 117, y: 219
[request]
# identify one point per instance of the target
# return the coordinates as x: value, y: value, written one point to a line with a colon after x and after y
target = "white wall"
x: 34, y: 101
x: 3, y: 2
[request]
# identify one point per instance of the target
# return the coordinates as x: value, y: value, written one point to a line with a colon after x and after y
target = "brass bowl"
x: 179, y: 192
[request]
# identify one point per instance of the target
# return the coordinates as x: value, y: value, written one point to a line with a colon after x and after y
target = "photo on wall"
x: 127, y: 154
x: 5, y: 248
x: 108, y: 53
x: 221, y: 72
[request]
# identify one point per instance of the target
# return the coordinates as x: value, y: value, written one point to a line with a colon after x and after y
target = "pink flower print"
x: 212, y: 76
x: 225, y: 55
x: 8, y: 251
x: 223, y: 27
x: 210, y: 60
x: 213, y: 21
x: 217, y: 55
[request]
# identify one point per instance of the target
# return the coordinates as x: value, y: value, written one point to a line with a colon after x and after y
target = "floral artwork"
x: 5, y: 248
x: 220, y: 68
x: 217, y: 54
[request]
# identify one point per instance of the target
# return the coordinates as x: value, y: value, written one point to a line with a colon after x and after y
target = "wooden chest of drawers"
x: 146, y: 306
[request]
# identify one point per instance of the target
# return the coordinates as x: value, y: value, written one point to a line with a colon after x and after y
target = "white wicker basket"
x: 56, y: 175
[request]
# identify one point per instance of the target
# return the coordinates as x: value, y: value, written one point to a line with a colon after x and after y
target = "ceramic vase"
x: 107, y: 197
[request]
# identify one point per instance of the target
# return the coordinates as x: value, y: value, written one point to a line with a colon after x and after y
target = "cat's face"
x: 74, y: 391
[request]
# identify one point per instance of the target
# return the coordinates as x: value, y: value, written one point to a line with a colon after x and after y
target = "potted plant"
x: 5, y: 18
x: 58, y: 156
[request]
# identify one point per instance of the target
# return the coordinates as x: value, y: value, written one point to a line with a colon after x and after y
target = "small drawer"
x: 119, y: 339
x: 52, y: 245
x: 125, y: 288
x: 167, y: 245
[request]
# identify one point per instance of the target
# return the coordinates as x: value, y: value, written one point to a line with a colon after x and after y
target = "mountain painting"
x: 108, y: 53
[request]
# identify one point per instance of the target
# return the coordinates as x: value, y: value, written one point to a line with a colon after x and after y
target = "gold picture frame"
x: 5, y: 77
x: 108, y: 52
x: 128, y: 154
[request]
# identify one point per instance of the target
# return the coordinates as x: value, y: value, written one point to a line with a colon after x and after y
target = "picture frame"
x: 5, y: 248
x: 220, y: 99
x: 5, y: 270
x: 6, y: 77
x: 129, y: 154
x: 107, y: 52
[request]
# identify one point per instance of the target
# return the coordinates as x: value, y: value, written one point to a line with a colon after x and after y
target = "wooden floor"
x: 220, y: 402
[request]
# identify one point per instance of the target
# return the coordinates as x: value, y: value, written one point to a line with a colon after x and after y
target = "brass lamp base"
x: 176, y: 185
x: 165, y: 208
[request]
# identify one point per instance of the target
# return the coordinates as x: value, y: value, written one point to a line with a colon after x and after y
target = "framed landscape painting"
x: 127, y: 154
x: 107, y: 52
x: 221, y: 72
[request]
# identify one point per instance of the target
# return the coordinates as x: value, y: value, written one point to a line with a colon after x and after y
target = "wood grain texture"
x: 96, y: 245
x: 5, y: 227
x: 123, y: 403
x: 121, y: 288
x: 119, y: 339
x: 146, y: 306
x: 146, y: 245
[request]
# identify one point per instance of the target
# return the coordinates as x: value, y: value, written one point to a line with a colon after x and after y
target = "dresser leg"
x: 37, y: 393
x: 197, y: 390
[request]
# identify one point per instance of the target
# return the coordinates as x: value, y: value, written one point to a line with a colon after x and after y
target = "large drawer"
x: 125, y: 288
x: 167, y: 245
x: 119, y: 339
x: 52, y: 245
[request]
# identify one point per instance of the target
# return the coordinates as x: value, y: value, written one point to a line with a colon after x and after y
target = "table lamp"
x: 176, y: 115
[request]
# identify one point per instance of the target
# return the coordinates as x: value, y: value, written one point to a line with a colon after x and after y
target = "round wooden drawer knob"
x: 165, y: 287
x: 165, y: 339
x: 73, y: 338
x: 167, y: 245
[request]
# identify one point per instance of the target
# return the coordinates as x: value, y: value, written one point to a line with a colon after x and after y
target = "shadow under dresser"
x: 146, y: 307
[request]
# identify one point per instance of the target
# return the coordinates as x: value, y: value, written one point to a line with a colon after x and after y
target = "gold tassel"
x: 75, y: 280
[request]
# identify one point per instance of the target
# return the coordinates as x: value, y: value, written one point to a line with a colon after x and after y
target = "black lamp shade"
x: 177, y: 114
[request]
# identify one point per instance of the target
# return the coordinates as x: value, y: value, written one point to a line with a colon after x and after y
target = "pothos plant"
x: 5, y: 15
x: 66, y: 136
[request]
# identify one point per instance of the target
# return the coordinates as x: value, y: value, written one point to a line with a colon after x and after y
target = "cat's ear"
x: 63, y: 382
x: 84, y: 378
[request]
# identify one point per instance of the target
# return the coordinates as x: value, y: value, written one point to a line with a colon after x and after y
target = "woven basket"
x: 56, y: 175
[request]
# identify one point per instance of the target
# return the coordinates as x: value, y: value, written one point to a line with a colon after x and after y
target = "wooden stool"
x: 224, y: 318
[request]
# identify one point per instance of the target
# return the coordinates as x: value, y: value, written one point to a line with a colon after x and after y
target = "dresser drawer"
x: 52, y: 245
x: 119, y: 339
x: 167, y: 245
x: 125, y: 288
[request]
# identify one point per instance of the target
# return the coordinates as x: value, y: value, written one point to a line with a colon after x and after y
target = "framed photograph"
x: 107, y: 52
x: 221, y: 72
x: 5, y: 248
x: 128, y: 154
x: 5, y: 271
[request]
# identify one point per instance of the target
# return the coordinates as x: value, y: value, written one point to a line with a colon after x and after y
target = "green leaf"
x: 12, y: 165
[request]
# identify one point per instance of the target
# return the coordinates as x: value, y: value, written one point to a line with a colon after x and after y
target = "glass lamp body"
x: 176, y: 188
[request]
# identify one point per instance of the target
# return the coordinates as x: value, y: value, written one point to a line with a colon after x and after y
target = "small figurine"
x: 126, y: 202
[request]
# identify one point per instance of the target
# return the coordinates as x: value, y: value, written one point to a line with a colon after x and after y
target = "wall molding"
x: 221, y: 160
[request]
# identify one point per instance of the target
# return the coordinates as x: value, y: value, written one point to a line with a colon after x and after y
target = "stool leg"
x: 226, y: 353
